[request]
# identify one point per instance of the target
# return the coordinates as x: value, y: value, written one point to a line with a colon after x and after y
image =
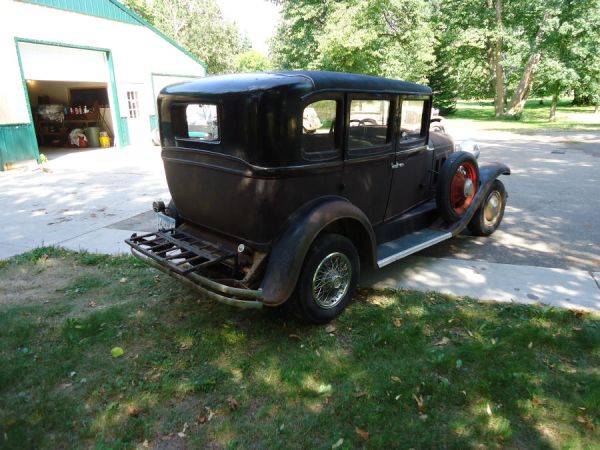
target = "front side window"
x: 318, y: 126
x: 202, y: 122
x: 411, y: 120
x: 369, y: 123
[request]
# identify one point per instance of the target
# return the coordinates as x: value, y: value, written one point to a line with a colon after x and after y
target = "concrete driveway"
x: 547, y: 249
x: 553, y: 213
x: 78, y: 199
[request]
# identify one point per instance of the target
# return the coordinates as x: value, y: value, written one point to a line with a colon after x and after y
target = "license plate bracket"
x: 164, y: 222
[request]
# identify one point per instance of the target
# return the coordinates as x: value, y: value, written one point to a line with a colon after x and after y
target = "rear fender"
x: 290, y: 249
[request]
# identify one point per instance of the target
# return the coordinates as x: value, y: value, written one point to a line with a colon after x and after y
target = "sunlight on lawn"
x: 535, y: 116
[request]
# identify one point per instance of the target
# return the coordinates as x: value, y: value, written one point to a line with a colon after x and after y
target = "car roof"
x: 306, y: 81
x: 324, y: 80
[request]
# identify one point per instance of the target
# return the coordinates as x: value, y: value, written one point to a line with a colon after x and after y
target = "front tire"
x: 328, y: 279
x: 489, y: 215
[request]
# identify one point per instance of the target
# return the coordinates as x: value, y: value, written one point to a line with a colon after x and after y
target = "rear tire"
x: 328, y: 279
x: 489, y: 215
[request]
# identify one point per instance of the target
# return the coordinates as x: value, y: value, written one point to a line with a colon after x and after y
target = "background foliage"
x: 199, y: 26
x: 469, y: 49
x: 546, y: 47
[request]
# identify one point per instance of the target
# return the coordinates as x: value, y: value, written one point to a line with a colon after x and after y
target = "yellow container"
x: 104, y: 141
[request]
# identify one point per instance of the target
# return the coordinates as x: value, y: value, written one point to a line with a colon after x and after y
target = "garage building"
x: 89, y: 65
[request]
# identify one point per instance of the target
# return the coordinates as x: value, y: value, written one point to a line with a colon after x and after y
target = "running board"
x: 407, y: 245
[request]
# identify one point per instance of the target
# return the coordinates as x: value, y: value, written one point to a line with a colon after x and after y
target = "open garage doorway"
x: 69, y: 92
x: 70, y: 115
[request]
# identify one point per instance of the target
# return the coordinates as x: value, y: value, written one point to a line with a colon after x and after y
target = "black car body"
x: 262, y: 168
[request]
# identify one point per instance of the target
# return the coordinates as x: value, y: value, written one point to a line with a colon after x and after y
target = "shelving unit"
x: 52, y: 133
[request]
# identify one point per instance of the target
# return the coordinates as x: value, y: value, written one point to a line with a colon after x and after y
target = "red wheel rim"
x: 463, y: 187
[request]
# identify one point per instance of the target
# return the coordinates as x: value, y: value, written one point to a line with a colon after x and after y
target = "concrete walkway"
x: 572, y: 289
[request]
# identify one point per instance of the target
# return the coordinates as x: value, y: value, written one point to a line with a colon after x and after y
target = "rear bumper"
x: 229, y: 295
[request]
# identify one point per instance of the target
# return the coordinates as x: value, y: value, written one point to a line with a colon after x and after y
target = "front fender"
x: 487, y: 175
x: 290, y: 249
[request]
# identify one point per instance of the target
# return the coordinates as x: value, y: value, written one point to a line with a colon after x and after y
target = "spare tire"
x: 457, y: 186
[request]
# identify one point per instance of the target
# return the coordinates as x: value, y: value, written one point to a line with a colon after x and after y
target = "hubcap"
x: 331, y: 280
x: 463, y: 187
x: 468, y: 189
x: 491, y: 212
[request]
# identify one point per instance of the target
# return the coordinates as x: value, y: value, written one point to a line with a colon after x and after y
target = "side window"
x: 318, y: 126
x: 202, y: 122
x: 369, y: 123
x: 411, y: 119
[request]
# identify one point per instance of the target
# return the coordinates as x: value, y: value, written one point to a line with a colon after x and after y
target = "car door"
x: 369, y: 152
x: 411, y: 179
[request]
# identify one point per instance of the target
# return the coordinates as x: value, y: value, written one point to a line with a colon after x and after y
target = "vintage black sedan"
x: 285, y: 184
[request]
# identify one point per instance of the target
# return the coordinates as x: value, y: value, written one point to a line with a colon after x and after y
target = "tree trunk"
x: 499, y: 84
x: 519, y: 97
x: 597, y: 108
x: 552, y: 117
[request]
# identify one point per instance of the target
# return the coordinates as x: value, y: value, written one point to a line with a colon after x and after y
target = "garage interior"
x: 60, y: 107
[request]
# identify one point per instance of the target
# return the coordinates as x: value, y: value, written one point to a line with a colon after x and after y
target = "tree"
x: 494, y: 46
x: 392, y: 38
x: 141, y: 9
x: 197, y: 25
x: 469, y: 49
x: 443, y: 82
x: 522, y: 90
x: 252, y: 61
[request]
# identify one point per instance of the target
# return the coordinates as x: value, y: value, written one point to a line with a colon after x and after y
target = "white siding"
x: 137, y: 51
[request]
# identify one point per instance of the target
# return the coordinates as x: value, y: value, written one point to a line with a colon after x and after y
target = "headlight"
x: 468, y: 146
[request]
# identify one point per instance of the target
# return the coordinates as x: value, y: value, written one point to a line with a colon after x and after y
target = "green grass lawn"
x: 534, y: 118
x: 396, y: 370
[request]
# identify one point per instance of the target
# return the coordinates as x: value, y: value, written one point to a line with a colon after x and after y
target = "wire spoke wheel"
x: 331, y: 280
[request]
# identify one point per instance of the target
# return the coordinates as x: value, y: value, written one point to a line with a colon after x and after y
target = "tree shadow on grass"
x: 411, y: 370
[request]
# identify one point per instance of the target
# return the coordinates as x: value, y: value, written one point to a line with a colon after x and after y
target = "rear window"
x: 202, y: 122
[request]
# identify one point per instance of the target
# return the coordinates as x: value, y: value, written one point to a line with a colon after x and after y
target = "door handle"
x: 397, y: 165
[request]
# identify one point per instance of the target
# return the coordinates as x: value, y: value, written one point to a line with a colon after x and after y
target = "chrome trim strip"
x: 409, y: 251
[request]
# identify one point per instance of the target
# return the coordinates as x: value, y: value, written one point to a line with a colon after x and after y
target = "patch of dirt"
x: 43, y: 283
x: 34, y: 284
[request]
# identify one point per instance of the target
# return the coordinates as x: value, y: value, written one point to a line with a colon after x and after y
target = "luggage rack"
x: 181, y: 252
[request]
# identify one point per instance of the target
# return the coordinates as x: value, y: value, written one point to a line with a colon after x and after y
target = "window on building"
x: 133, y: 104
x: 318, y: 126
x: 202, y: 121
x: 411, y: 120
x: 369, y: 123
